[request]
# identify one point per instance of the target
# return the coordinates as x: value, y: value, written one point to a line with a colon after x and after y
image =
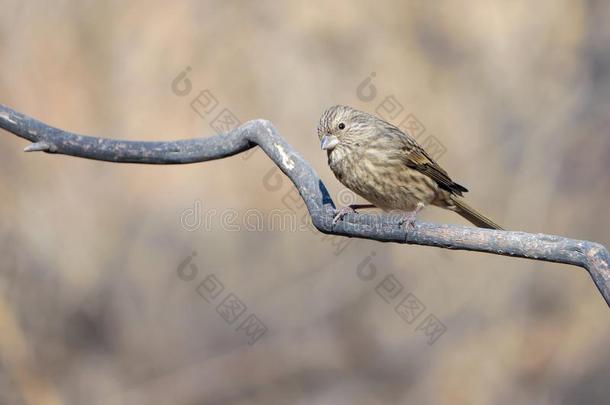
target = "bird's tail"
x: 473, y: 216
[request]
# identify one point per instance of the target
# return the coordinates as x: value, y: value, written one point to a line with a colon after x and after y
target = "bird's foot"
x: 342, y: 212
x: 350, y: 209
x: 409, y: 218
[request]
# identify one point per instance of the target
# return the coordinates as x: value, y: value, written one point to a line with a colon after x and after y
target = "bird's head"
x: 342, y: 126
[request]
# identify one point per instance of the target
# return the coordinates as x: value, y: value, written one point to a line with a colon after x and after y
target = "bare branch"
x: 381, y: 227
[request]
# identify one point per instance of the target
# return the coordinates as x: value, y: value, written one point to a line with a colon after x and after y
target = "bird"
x: 388, y: 168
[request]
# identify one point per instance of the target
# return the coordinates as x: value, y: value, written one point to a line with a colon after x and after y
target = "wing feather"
x: 415, y: 157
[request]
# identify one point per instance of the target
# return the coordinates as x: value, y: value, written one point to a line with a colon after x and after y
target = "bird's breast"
x: 381, y: 179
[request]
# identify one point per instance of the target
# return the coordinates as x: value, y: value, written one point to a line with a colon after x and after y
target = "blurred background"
x: 130, y: 284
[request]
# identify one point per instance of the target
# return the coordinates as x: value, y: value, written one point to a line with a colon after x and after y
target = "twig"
x: 381, y: 227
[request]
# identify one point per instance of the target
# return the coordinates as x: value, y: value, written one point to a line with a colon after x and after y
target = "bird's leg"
x: 410, y: 216
x: 348, y: 210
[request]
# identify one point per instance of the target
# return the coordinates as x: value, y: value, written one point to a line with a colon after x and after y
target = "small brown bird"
x: 387, y: 167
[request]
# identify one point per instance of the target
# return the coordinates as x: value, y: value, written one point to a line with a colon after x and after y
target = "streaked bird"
x: 387, y: 167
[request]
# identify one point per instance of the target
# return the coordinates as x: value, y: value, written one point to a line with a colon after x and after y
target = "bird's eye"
x: 341, y: 126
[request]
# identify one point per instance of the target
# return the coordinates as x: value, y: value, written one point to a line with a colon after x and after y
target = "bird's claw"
x: 409, y: 218
x: 341, y: 213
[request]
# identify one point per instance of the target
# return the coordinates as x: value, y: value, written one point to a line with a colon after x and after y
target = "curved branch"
x: 382, y: 227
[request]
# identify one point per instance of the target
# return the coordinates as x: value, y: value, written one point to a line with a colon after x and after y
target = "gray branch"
x: 381, y: 227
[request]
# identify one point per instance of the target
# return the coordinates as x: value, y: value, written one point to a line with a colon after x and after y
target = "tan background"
x: 91, y: 306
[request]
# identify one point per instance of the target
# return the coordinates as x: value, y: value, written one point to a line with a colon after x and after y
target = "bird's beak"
x: 328, y: 142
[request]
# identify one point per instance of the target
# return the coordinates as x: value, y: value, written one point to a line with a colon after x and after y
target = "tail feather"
x: 473, y: 216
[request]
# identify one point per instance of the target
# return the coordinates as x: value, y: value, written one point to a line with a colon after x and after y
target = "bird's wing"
x: 417, y: 158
